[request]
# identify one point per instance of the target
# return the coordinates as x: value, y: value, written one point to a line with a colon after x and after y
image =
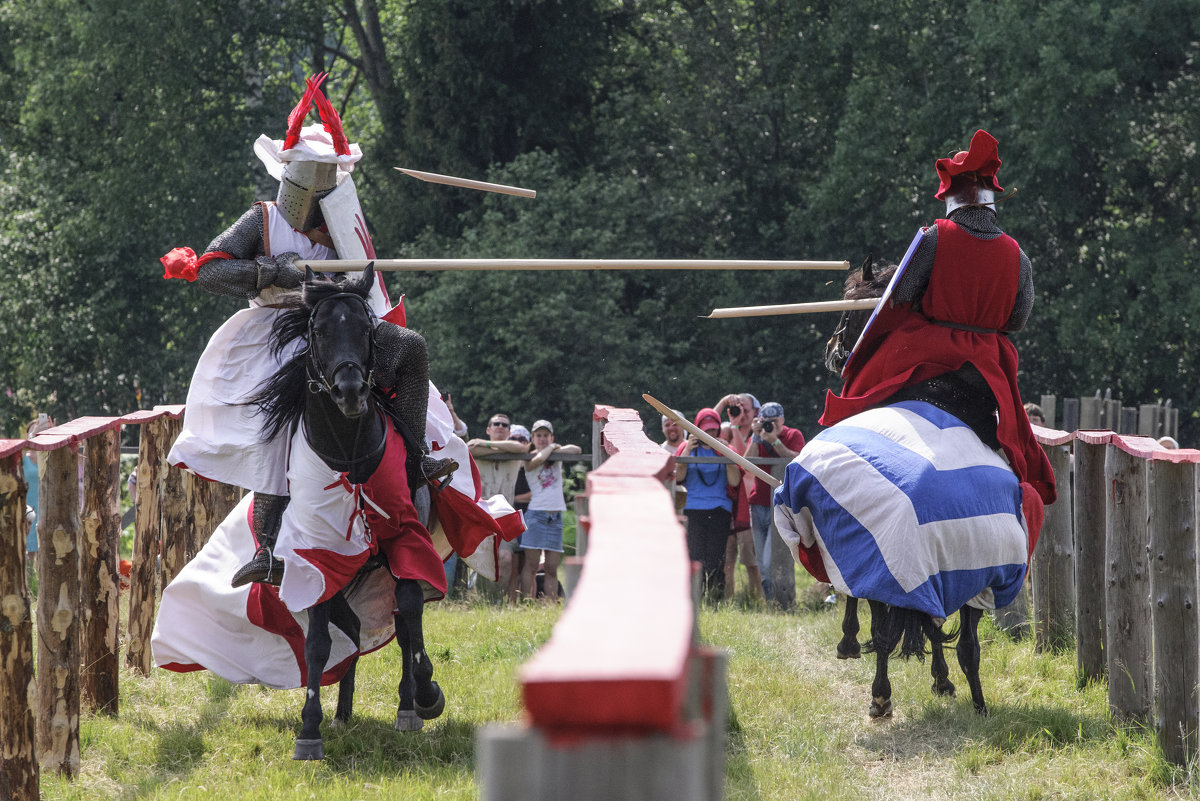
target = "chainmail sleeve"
x: 402, y: 364
x: 237, y: 277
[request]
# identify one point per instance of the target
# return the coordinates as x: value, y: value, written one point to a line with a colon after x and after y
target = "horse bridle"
x: 322, y: 381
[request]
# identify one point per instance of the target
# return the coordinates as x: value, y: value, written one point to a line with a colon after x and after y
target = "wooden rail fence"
x: 620, y: 703
x: 78, y: 582
x: 1114, y: 575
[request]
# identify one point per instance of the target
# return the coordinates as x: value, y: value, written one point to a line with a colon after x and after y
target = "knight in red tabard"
x: 943, y: 337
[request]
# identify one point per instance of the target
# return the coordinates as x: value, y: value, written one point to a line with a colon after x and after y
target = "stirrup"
x: 264, y: 568
x: 436, y: 472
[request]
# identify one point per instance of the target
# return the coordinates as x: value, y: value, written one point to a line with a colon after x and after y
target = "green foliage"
x: 666, y: 128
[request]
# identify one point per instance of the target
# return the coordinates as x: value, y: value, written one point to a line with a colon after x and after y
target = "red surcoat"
x: 973, y: 284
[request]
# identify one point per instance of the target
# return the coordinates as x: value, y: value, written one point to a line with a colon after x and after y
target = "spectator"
x: 460, y: 428
x: 543, y: 521
x: 672, y: 435
x: 499, y: 477
x: 709, y: 507
x: 31, y: 464
x: 1035, y: 414
x: 520, y: 433
x: 28, y: 528
x: 769, y: 438
x: 742, y: 409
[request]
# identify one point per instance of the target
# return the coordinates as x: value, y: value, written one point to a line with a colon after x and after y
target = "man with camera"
x: 769, y: 438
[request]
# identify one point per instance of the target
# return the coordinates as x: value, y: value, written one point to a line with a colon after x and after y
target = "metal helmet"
x: 301, y: 188
x: 969, y: 190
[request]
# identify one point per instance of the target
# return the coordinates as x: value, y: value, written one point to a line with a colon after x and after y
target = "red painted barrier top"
x: 1145, y: 447
x: 81, y: 428
x: 618, y: 657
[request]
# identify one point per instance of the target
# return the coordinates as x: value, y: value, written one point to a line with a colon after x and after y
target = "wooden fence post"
x: 1090, y: 410
x: 99, y: 588
x: 1128, y: 648
x: 176, y: 526
x: 58, y: 618
x: 1089, y: 511
x: 1173, y: 595
x: 1049, y: 404
x: 143, y: 574
x: 18, y: 755
x: 1054, y: 563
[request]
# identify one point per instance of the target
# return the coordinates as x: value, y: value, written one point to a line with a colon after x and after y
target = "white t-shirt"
x: 546, y: 488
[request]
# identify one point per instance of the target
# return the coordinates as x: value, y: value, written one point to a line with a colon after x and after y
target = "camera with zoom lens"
x: 768, y: 425
x: 734, y: 411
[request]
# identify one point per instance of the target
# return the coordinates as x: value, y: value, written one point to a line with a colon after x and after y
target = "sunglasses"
x: 499, y: 424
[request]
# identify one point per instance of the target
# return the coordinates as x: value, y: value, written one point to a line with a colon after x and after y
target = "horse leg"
x: 881, y: 687
x: 968, y: 654
x: 421, y: 698
x: 344, y: 618
x: 939, y: 668
x: 849, y: 648
x: 316, y: 654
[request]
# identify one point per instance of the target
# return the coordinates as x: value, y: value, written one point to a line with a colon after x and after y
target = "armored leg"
x: 268, y: 515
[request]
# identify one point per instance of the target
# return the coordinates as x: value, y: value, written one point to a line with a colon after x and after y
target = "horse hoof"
x: 943, y: 687
x: 880, y: 708
x: 309, y: 749
x: 431, y: 711
x: 982, y: 710
x: 849, y: 653
x: 407, y: 720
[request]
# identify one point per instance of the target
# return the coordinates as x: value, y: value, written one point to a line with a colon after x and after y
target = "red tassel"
x: 300, y: 112
x: 183, y: 263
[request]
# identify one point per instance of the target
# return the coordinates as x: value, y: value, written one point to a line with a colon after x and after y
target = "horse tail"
x: 916, y: 633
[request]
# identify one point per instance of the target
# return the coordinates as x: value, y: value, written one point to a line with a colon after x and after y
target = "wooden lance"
x: 795, y: 308
x: 441, y: 265
x: 466, y: 183
x: 714, y: 443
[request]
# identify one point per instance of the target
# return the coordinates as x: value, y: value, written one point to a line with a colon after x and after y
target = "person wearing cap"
x: 943, y: 338
x: 741, y: 409
x: 499, y: 477
x: 255, y: 259
x: 769, y: 439
x: 709, y: 505
x: 543, y: 519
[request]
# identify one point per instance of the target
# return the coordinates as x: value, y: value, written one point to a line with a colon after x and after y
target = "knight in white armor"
x: 255, y: 259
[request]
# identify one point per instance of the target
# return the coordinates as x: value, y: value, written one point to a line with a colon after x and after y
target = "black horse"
x: 329, y: 388
x: 891, y: 626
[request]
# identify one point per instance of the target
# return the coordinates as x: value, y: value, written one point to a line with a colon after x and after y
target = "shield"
x: 872, y: 331
x: 348, y: 230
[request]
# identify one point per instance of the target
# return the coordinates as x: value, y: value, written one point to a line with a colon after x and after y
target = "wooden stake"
x: 466, y: 183
x: 99, y: 587
x: 862, y: 304
x: 440, y: 265
x: 714, y: 443
x: 19, y: 772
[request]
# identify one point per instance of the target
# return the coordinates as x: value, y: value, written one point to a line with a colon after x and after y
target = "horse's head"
x: 864, y: 282
x: 341, y: 340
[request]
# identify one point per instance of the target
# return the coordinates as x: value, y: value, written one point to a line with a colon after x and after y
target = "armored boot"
x: 264, y: 567
x: 433, y: 471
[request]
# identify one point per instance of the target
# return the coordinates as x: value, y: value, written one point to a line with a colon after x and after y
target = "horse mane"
x: 864, y: 282
x: 280, y: 398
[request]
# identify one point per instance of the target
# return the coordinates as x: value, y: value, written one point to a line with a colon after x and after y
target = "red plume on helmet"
x: 300, y: 112
x: 333, y: 125
x: 982, y: 158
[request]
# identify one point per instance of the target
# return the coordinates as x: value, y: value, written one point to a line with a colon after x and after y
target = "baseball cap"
x: 707, y: 415
x: 518, y: 431
x: 543, y: 424
x: 771, y: 409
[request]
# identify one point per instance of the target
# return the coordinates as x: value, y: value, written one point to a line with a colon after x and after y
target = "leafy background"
x: 652, y: 129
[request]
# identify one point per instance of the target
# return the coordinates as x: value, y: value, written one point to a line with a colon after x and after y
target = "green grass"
x: 799, y: 723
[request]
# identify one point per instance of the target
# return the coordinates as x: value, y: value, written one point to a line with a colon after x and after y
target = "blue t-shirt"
x: 706, y: 484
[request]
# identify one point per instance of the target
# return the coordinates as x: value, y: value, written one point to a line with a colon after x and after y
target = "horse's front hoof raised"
x: 943, y: 687
x: 309, y: 749
x: 880, y: 708
x: 435, y: 707
x: 407, y: 720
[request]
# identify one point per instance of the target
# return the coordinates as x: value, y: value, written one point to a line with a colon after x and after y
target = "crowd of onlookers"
x: 728, y: 510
